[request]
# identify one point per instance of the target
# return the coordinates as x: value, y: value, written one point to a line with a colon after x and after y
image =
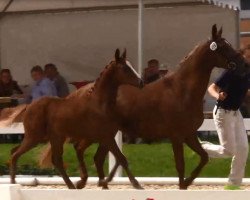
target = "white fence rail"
x: 208, y: 125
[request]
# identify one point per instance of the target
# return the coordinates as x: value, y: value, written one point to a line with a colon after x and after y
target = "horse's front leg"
x: 179, y: 162
x: 57, y: 153
x: 99, y: 158
x: 80, y: 148
x: 195, y: 145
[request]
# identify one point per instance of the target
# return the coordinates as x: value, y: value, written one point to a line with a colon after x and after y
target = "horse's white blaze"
x: 132, y: 68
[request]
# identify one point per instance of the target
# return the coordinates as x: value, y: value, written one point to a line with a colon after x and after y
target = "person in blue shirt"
x: 230, y: 90
x: 42, y: 86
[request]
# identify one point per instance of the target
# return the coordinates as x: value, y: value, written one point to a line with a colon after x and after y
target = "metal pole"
x: 118, y: 139
x: 140, y: 36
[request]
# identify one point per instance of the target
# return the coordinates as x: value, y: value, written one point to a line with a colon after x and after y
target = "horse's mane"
x: 191, y: 53
x: 90, y: 88
x: 104, y: 71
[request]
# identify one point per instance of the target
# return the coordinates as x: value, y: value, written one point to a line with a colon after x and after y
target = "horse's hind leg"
x: 123, y: 161
x: 80, y: 147
x: 57, y: 152
x: 16, y: 152
x: 195, y: 145
x: 179, y: 162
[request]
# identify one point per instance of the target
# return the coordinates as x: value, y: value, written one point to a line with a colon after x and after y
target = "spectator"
x: 60, y: 83
x: 163, y: 71
x: 8, y: 87
x: 151, y: 73
x: 42, y: 86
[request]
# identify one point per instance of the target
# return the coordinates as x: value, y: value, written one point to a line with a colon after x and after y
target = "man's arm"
x: 216, y: 92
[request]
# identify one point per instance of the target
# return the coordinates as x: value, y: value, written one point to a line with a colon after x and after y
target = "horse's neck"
x: 194, y: 75
x: 106, y: 87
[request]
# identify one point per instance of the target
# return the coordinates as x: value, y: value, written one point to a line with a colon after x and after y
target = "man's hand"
x: 222, y: 96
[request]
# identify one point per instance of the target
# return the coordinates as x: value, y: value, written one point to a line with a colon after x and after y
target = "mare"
x: 172, y: 107
x: 85, y: 115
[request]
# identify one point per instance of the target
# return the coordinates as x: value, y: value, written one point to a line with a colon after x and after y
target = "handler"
x: 230, y: 90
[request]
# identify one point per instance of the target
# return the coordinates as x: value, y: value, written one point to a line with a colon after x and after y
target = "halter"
x: 214, y: 47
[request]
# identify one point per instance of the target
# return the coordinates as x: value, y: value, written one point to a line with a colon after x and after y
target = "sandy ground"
x: 146, y: 187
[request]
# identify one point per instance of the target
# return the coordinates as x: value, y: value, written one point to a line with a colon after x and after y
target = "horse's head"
x: 223, y: 54
x: 124, y: 72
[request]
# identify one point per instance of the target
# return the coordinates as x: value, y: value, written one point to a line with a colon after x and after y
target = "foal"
x: 87, y: 114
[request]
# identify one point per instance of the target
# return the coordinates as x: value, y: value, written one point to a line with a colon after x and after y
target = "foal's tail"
x: 45, y: 160
x: 11, y: 115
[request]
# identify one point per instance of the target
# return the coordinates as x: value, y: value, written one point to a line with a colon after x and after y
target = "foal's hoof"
x: 183, y: 187
x: 103, y: 184
x: 80, y: 184
x: 188, y: 181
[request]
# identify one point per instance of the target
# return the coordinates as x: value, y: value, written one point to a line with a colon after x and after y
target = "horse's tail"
x: 11, y: 115
x: 45, y: 160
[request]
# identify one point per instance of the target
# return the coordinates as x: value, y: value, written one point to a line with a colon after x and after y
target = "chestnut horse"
x: 87, y: 114
x: 172, y: 107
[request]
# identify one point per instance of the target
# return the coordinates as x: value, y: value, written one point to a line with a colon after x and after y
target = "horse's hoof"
x: 137, y: 185
x: 105, y: 187
x: 72, y: 187
x: 80, y: 184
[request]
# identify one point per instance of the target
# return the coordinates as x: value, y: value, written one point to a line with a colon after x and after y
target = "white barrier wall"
x: 14, y: 192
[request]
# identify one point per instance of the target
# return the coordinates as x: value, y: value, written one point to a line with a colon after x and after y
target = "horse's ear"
x: 124, y: 54
x: 214, y: 32
x: 117, y: 55
x: 220, y: 32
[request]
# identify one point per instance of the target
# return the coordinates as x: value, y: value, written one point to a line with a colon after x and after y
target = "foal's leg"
x: 57, y: 153
x: 80, y: 147
x: 123, y: 161
x: 16, y: 152
x: 179, y: 162
x: 195, y: 145
x: 99, y: 158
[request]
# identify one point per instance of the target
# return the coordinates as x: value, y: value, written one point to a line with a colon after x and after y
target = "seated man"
x: 60, y: 83
x: 42, y: 86
x: 153, y: 72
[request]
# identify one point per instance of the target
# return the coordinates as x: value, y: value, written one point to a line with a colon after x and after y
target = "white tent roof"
x: 233, y: 4
x: 35, y: 5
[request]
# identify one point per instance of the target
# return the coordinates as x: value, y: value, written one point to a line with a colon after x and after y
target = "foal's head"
x: 222, y: 53
x: 124, y: 72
